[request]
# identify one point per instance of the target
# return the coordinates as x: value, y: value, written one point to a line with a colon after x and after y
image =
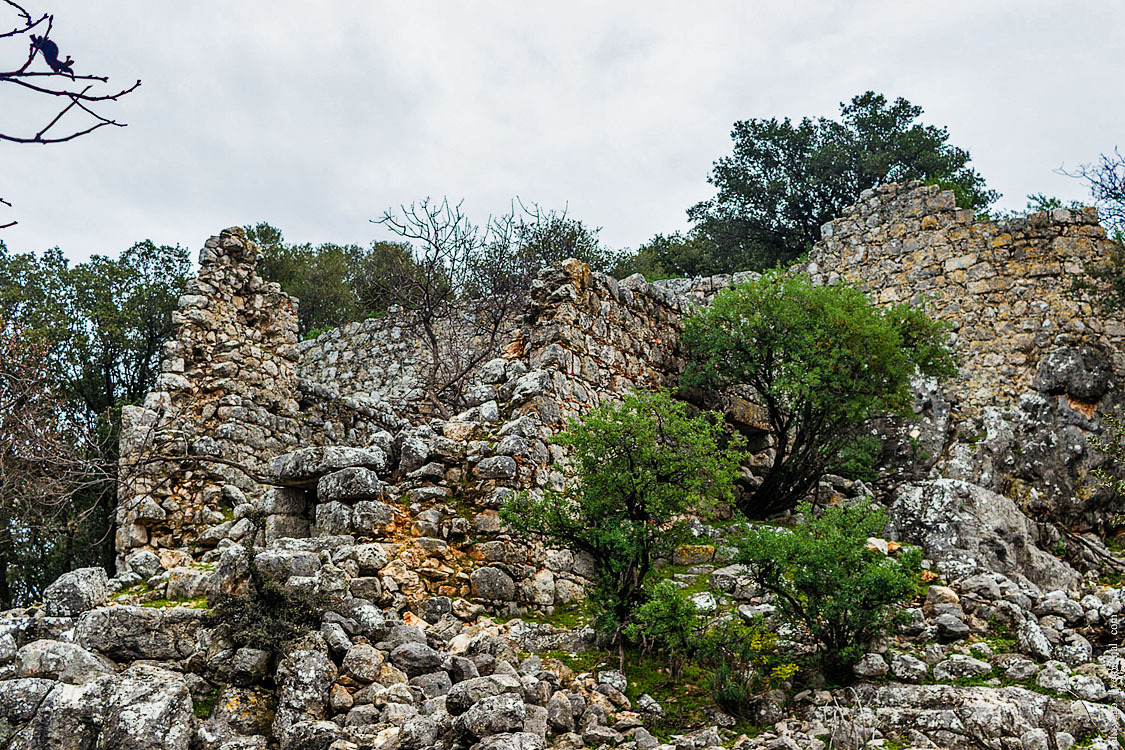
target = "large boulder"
x: 967, y: 529
x: 76, y: 592
x: 493, y: 715
x: 1083, y: 373
x: 66, y: 717
x: 58, y: 660
x: 464, y: 694
x: 304, y: 680
x: 305, y: 467
x: 150, y: 709
x: 492, y: 583
x: 129, y: 633
x: 349, y: 485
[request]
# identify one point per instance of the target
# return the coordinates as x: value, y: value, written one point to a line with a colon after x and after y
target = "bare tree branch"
x: 1106, y: 179
x: 59, y: 80
x: 10, y: 223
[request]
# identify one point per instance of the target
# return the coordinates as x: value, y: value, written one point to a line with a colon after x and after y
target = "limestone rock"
x: 57, y: 660
x: 494, y: 714
x: 305, y: 467
x: 967, y: 529
x: 127, y: 633
x: 75, y: 592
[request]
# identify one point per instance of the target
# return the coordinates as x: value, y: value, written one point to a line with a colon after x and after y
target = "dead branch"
x: 78, y: 91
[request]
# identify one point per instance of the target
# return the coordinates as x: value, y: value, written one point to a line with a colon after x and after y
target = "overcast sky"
x: 317, y: 116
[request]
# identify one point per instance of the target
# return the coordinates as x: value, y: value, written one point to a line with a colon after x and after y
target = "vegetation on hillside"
x: 640, y: 465
x: 821, y: 361
x: 86, y: 338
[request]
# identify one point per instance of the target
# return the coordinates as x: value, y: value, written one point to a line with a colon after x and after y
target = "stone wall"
x: 237, y: 386
x: 1004, y: 286
x: 226, y: 391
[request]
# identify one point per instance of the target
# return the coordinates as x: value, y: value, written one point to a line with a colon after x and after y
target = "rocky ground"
x: 986, y: 659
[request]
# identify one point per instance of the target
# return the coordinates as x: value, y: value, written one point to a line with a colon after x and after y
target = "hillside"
x: 390, y: 607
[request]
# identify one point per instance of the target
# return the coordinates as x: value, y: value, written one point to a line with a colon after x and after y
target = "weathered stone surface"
x: 305, y: 467
x: 151, y: 709
x: 415, y: 658
x: 494, y: 714
x: 75, y: 592
x: 960, y: 666
x: 362, y: 662
x: 61, y: 661
x: 67, y: 717
x: 20, y: 698
x: 349, y: 485
x: 464, y: 694
x: 304, y: 679
x: 967, y: 529
x: 492, y: 583
x: 1081, y: 372
x: 129, y: 633
x: 279, y: 565
x: 871, y: 665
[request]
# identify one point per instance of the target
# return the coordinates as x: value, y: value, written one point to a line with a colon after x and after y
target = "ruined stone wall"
x: 226, y: 391
x: 1004, y: 286
x: 236, y: 385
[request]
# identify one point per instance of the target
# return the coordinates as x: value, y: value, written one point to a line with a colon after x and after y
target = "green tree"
x: 826, y: 581
x: 639, y: 465
x: 335, y: 284
x: 102, y: 324
x: 547, y: 237
x: 675, y: 255
x: 821, y: 361
x: 783, y: 181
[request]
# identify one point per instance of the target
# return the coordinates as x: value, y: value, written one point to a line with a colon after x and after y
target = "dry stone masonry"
x: 1004, y: 286
x: 321, y: 466
x: 226, y: 390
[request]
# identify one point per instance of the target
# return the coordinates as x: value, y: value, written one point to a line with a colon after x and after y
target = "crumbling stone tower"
x: 224, y: 402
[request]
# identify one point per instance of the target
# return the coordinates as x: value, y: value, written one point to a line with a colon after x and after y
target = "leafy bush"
x: 639, y: 464
x: 669, y: 622
x: 270, y: 616
x: 741, y: 659
x: 821, y: 361
x: 744, y: 662
x: 828, y: 583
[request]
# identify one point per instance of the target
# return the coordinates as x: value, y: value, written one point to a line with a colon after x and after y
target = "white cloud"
x: 316, y: 117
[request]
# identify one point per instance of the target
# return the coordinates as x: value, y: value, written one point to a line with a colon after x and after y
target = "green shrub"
x: 821, y: 361
x: 668, y: 622
x: 827, y: 582
x: 639, y: 465
x: 744, y: 662
x: 858, y: 459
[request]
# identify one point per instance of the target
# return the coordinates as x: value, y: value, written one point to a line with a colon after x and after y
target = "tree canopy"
x: 784, y: 180
x: 336, y: 284
x: 80, y: 341
x: 821, y: 361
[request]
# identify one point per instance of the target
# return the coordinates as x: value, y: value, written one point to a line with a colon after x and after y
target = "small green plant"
x: 639, y: 466
x: 744, y: 662
x: 1059, y: 550
x: 203, y: 706
x: 669, y: 622
x: 827, y: 582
